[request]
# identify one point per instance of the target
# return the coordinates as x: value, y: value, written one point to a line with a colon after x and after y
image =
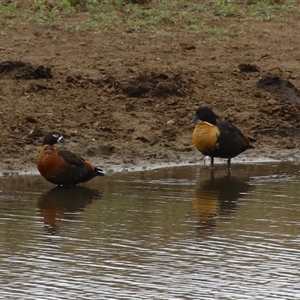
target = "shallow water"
x: 174, y: 233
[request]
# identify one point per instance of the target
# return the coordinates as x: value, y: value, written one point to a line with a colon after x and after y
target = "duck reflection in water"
x: 217, y: 197
x: 64, y: 203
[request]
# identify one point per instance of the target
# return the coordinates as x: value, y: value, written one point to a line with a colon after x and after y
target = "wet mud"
x: 126, y: 98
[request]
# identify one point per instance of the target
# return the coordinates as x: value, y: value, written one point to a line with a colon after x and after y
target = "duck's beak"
x: 62, y: 140
x: 195, y: 119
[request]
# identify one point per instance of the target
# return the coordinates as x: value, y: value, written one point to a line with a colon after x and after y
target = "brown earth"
x: 126, y: 97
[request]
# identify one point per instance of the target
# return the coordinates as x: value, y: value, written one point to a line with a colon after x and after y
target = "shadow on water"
x: 64, y: 203
x: 217, y: 196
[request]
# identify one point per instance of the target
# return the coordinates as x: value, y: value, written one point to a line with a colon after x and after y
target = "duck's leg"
x: 212, y: 162
x: 228, y: 163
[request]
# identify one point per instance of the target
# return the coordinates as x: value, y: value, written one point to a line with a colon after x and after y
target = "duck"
x: 218, y: 138
x: 62, y: 167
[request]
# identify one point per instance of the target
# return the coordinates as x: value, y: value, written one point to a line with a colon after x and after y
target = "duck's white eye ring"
x: 55, y: 135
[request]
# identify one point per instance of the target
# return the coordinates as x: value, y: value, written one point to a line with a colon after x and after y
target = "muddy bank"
x: 125, y: 99
x: 254, y: 156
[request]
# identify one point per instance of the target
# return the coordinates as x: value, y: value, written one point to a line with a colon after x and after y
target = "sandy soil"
x: 126, y: 98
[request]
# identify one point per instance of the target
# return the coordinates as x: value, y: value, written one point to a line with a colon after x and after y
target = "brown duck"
x: 63, y: 167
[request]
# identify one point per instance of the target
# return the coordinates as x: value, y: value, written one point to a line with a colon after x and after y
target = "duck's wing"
x: 229, y: 127
x: 79, y: 162
x: 72, y: 158
x: 225, y: 125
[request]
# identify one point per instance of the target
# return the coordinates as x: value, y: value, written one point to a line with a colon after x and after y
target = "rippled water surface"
x: 175, y: 233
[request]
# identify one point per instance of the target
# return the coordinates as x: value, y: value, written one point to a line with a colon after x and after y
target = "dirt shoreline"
x: 113, y: 165
x: 125, y: 98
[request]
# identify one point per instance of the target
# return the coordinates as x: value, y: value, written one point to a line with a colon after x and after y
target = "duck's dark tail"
x: 251, y: 139
x: 99, y: 171
x: 87, y: 174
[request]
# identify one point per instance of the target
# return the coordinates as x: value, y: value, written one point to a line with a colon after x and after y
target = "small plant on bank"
x: 9, y: 9
x: 224, y: 8
x: 203, y: 18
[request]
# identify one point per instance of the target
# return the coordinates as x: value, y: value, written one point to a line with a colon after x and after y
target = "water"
x: 174, y: 233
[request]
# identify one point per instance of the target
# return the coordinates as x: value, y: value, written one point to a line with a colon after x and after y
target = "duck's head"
x: 54, y: 137
x: 204, y: 113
